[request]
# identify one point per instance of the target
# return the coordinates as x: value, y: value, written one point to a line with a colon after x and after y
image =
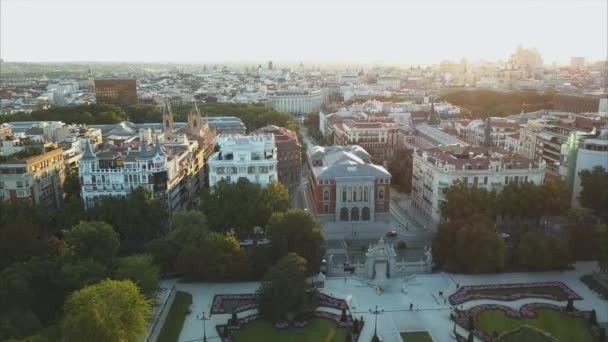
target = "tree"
x: 142, y: 271
x: 276, y: 197
x: 137, y: 218
x: 555, y: 197
x: 83, y: 272
x: 401, y: 168
x: 602, y: 232
x: 285, y: 291
x: 111, y: 310
x: 297, y: 231
x: 583, y: 239
x: 243, y: 205
x: 479, y: 248
x: 71, y: 187
x: 536, y: 251
x: 462, y: 202
x: 594, y: 193
x: 95, y: 240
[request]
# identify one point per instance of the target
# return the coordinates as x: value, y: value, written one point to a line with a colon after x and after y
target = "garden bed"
x: 228, y: 303
x: 509, y: 292
x: 416, y: 336
x: 492, y: 318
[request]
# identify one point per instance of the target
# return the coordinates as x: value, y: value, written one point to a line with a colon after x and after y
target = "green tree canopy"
x: 479, y: 248
x: 285, y: 290
x: 401, y: 168
x: 141, y: 270
x: 95, y: 240
x: 108, y: 311
x: 464, y: 201
x: 594, y: 193
x: 243, y: 205
x: 137, y: 218
x: 297, y: 231
x: 537, y: 251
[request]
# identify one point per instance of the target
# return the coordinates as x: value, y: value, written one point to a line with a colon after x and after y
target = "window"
x: 326, y: 195
x: 343, y: 195
x: 381, y: 194
x: 20, y: 184
x: 475, y: 180
x: 365, y: 194
x: 485, y: 180
x: 326, y: 208
x: 506, y: 180
x: 465, y: 180
x: 354, y: 195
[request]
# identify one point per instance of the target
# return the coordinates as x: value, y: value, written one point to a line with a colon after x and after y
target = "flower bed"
x: 331, y: 302
x: 561, y: 292
x: 526, y: 311
x: 246, y: 302
x: 227, y: 303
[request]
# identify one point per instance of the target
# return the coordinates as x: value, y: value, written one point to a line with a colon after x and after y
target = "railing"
x: 159, y: 315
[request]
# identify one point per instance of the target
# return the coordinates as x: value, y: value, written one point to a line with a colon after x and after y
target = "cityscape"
x: 271, y: 171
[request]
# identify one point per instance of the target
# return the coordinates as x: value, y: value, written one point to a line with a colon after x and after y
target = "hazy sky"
x: 391, y: 31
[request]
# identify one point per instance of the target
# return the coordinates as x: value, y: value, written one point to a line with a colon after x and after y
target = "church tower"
x: 195, y: 122
x: 167, y: 115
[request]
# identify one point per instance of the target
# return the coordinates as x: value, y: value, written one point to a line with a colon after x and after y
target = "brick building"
x: 289, y: 154
x: 346, y: 185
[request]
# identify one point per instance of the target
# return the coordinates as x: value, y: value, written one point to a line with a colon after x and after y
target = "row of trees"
x: 254, y: 116
x: 467, y: 239
x: 401, y: 167
x: 479, y: 103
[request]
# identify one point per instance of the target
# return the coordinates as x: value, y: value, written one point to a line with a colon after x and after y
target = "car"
x: 505, y: 235
x: 263, y: 242
x: 392, y: 233
x: 245, y: 243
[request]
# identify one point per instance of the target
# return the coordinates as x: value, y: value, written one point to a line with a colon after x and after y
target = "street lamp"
x: 203, y: 318
x: 376, y: 312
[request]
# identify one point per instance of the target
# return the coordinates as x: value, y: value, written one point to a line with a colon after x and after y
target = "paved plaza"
x: 430, y: 310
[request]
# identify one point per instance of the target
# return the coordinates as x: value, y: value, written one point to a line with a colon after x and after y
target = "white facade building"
x: 296, y: 101
x: 253, y: 157
x: 435, y: 169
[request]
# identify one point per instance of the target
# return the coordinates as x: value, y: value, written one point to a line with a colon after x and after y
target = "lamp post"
x: 376, y: 312
x: 203, y: 318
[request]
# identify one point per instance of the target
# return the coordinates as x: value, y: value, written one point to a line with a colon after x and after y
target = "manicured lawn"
x: 416, y: 336
x: 548, y: 290
x: 175, y: 318
x: 317, y: 330
x: 595, y: 285
x: 560, y: 325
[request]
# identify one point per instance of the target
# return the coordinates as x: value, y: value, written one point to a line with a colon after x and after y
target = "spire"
x: 143, y: 148
x: 157, y: 148
x: 88, y: 151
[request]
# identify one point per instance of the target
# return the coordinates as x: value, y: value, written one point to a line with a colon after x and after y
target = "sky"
x: 370, y: 31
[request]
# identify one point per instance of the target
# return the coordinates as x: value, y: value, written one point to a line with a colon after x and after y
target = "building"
x: 37, y: 179
x: 346, y: 185
x: 296, y: 101
x: 253, y: 157
x: 582, y: 151
x: 289, y: 154
x: 173, y: 170
x: 428, y: 136
x: 378, y: 138
x: 435, y: 169
x: 577, y: 62
x: 121, y: 92
x: 498, y: 129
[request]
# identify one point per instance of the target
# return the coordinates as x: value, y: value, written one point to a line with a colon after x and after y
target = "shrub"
x: 570, y: 305
x: 401, y: 245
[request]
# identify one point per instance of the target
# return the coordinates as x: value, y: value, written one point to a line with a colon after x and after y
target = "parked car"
x: 392, y: 233
x: 245, y: 243
x: 263, y: 242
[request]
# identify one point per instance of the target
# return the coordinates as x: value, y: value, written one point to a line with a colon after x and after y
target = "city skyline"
x: 386, y: 32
